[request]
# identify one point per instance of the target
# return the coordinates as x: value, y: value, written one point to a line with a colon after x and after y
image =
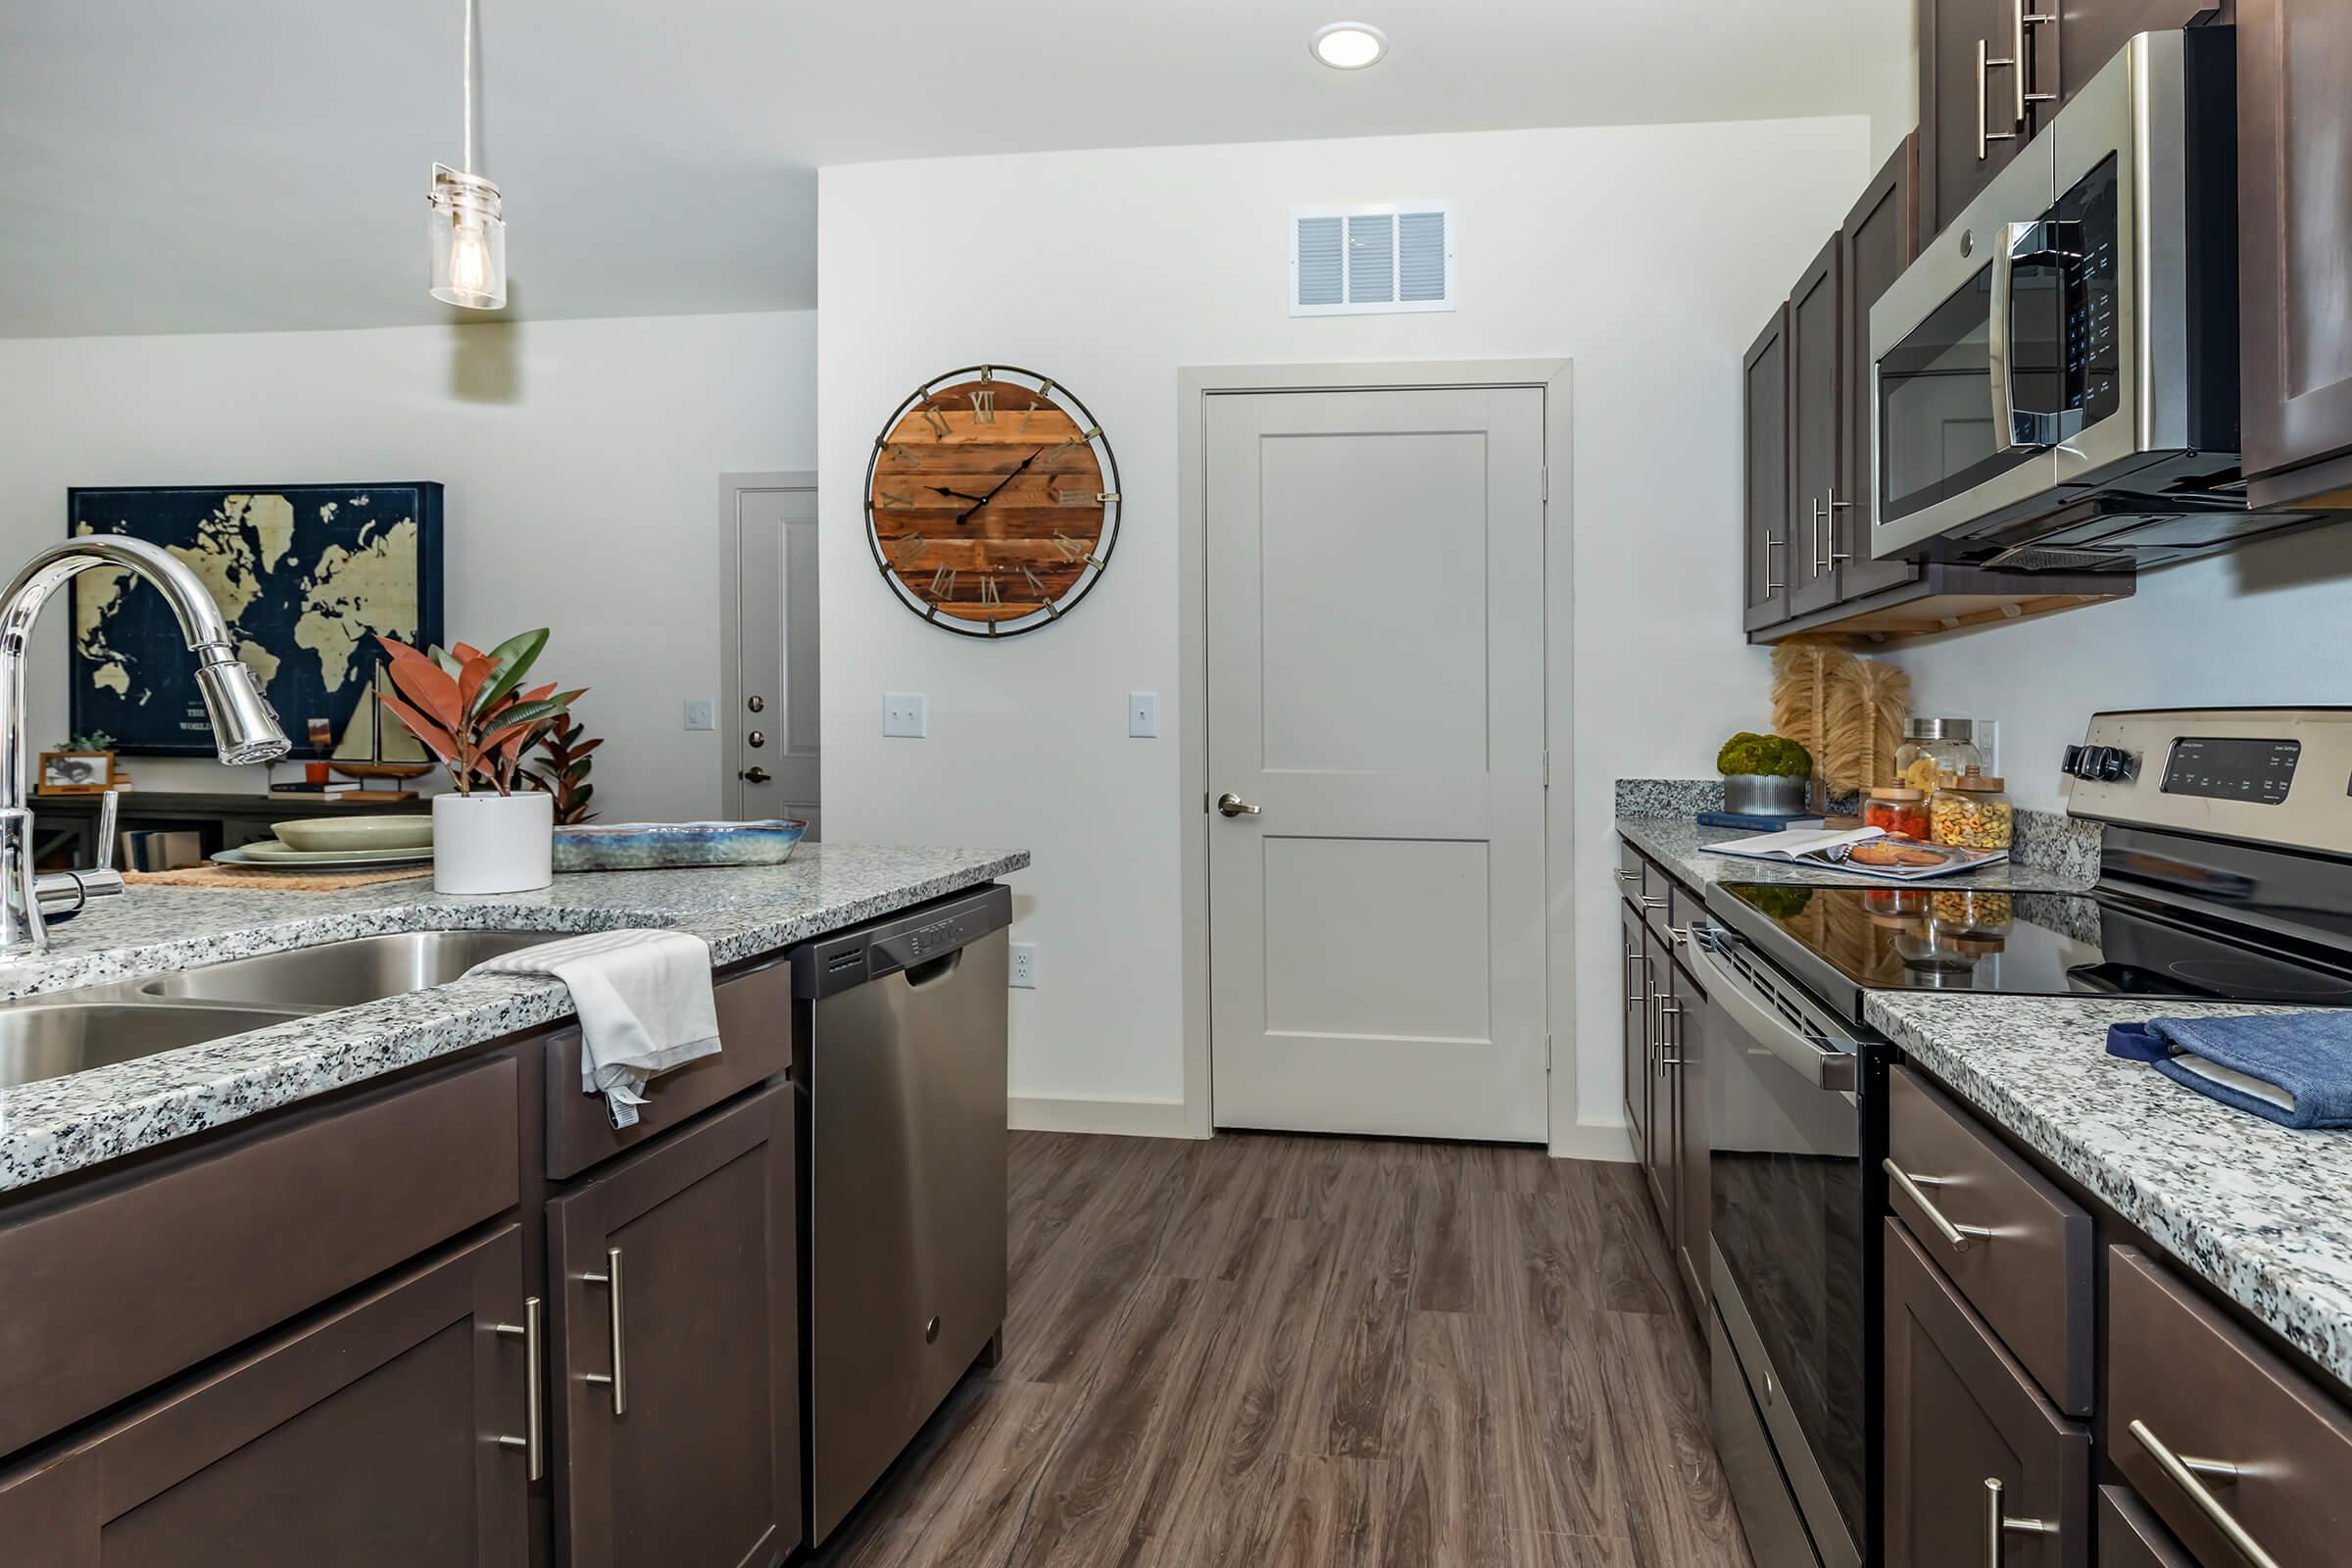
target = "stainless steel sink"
x: 51, y: 1039
x: 343, y: 974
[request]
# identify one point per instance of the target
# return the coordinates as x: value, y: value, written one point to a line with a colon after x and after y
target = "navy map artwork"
x: 306, y: 575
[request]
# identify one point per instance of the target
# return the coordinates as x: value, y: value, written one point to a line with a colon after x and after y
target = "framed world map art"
x: 306, y: 575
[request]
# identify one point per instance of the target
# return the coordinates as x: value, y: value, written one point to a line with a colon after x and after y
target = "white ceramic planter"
x: 493, y: 843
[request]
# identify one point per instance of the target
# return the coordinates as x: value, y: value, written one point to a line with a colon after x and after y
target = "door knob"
x: 755, y: 738
x: 1232, y: 804
x: 755, y: 776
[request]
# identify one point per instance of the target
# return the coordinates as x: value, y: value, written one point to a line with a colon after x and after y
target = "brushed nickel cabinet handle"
x: 1829, y: 513
x: 1680, y: 935
x: 2184, y: 1472
x: 1649, y: 902
x: 1998, y: 1525
x: 2021, y: 19
x: 1633, y: 955
x: 1986, y: 136
x: 533, y: 1442
x: 1957, y: 1237
x: 619, y: 1378
x: 1627, y: 877
x: 1772, y: 542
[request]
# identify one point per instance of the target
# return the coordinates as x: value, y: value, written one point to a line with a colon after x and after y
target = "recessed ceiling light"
x: 1349, y: 45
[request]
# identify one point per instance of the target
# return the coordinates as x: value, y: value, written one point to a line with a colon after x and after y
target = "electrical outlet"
x: 1142, y: 715
x: 1024, y: 966
x: 699, y: 713
x: 903, y: 714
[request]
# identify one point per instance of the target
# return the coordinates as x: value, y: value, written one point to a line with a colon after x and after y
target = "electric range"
x: 2225, y: 875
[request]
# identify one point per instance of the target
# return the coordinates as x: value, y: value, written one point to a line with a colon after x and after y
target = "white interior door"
x: 771, y: 689
x: 1375, y: 573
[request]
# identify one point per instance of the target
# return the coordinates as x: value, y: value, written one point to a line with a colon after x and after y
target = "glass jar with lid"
x: 1934, y: 750
x: 1972, y: 812
x: 1900, y: 814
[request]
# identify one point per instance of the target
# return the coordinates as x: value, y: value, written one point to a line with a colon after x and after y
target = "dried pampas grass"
x: 1803, y: 672
x: 1867, y: 702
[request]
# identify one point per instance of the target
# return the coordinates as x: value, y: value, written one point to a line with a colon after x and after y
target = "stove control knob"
x: 2086, y: 765
x: 2115, y: 763
x: 2072, y: 765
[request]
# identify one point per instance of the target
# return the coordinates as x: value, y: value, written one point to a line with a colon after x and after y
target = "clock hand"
x: 1001, y: 484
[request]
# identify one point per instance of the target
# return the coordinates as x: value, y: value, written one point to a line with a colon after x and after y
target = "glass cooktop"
x: 1914, y: 937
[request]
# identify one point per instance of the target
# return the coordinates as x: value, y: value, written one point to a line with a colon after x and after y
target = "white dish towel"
x: 644, y: 1003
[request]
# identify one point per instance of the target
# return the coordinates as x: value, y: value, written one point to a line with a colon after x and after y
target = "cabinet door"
x: 1635, y: 972
x: 677, y: 1348
x: 1980, y: 1467
x: 1968, y: 102
x: 1684, y: 1079
x: 1880, y: 237
x: 2294, y: 122
x: 371, y: 1437
x: 1766, y: 548
x: 1657, y: 1143
x: 2063, y: 54
x: 1816, y: 369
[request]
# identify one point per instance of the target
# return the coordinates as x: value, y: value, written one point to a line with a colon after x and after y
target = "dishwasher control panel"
x: 853, y: 958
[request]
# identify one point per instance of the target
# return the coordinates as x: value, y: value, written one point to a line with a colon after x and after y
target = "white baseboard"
x: 1129, y: 1118
x: 1593, y: 1140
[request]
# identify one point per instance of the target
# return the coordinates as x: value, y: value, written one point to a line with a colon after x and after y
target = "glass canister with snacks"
x: 1972, y: 812
x: 1935, y: 750
x: 1898, y: 812
x: 1972, y: 912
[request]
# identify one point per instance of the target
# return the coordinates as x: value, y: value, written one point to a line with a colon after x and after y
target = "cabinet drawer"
x: 1681, y: 908
x: 2130, y: 1538
x: 112, y: 1290
x: 2185, y: 1381
x: 1630, y: 867
x: 1962, y: 1416
x: 2029, y: 1277
x: 755, y: 1037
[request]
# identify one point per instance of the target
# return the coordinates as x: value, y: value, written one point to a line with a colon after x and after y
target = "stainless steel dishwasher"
x: 899, y: 1062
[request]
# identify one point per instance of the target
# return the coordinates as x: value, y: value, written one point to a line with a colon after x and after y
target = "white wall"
x: 2264, y: 624
x: 1648, y: 256
x: 581, y: 461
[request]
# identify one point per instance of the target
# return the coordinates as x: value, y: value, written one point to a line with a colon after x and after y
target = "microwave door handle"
x: 1823, y: 1069
x: 1996, y: 340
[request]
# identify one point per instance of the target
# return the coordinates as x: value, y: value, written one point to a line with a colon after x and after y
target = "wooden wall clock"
x: 992, y: 501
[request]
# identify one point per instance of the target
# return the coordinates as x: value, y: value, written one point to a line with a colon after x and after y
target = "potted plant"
x: 470, y: 710
x: 1764, y: 775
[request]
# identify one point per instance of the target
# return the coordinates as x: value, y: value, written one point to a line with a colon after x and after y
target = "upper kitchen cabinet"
x: 1816, y: 373
x: 2294, y: 122
x: 1764, y: 523
x: 1880, y: 237
x: 1991, y: 72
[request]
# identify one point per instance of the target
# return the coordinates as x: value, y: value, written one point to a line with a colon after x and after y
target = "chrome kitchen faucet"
x: 244, y: 725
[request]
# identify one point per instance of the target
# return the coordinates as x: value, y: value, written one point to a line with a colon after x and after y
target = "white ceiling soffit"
x: 253, y: 164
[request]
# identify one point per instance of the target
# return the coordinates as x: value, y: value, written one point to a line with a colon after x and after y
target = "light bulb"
x: 468, y: 241
x: 468, y: 259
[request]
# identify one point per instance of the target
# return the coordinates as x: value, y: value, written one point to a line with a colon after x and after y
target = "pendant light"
x: 467, y: 231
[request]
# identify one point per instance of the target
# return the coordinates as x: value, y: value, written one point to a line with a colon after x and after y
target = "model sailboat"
x: 376, y: 744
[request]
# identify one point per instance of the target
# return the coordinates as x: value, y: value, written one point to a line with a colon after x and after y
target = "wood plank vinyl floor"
x: 1273, y: 1351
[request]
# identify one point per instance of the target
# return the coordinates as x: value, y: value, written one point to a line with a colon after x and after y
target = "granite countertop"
x: 59, y: 1125
x: 1678, y: 844
x: 2256, y: 1209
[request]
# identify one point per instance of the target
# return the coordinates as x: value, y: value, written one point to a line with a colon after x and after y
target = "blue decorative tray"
x: 669, y: 846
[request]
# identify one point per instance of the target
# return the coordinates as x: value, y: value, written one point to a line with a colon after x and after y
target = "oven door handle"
x: 1832, y: 1070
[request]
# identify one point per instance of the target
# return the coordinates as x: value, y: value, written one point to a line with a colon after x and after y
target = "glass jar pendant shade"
x: 467, y: 236
x: 469, y: 240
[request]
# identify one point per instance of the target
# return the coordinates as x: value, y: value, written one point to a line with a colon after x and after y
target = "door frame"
x: 731, y: 489
x: 1194, y: 386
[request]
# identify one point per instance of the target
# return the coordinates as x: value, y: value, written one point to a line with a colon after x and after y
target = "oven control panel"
x: 2279, y: 776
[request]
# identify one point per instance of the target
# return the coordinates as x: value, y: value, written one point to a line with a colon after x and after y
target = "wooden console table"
x: 64, y: 827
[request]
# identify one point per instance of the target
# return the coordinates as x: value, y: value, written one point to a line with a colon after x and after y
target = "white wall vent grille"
x: 1369, y: 261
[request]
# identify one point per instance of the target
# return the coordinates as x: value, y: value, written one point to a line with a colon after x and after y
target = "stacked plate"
x: 340, y: 844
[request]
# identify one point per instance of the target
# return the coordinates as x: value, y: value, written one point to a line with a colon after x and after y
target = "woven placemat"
x: 258, y: 881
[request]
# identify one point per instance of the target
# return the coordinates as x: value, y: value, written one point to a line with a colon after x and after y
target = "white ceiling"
x: 182, y: 165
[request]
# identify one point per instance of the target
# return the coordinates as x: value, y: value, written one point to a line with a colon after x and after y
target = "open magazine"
x: 1862, y: 850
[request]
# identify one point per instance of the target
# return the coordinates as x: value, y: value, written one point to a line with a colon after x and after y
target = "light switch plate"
x: 1142, y: 715
x: 1024, y: 966
x: 903, y: 714
x: 699, y: 713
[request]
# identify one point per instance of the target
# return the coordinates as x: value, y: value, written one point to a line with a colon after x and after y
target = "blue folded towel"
x: 2292, y: 1068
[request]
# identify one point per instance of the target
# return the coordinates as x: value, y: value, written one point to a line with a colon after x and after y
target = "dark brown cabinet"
x: 1664, y: 1025
x: 1879, y: 239
x: 1765, y: 532
x: 1683, y: 1059
x: 1980, y: 1467
x: 1815, y: 391
x: 2294, y: 122
x: 675, y: 1346
x: 1975, y: 104
x: 1635, y: 1026
x: 390, y: 1431
x: 1656, y: 1149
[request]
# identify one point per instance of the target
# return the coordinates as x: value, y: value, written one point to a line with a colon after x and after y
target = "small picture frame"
x: 76, y: 774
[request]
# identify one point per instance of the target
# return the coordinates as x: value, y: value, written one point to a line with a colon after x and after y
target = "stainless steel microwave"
x: 2054, y: 381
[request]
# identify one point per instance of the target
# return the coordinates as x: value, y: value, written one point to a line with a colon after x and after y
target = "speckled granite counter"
x: 60, y: 1125
x: 1678, y: 844
x: 2258, y: 1211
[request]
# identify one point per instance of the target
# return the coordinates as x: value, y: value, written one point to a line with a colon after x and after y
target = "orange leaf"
x: 465, y: 653
x: 425, y: 683
x: 479, y: 667
x: 436, y: 738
